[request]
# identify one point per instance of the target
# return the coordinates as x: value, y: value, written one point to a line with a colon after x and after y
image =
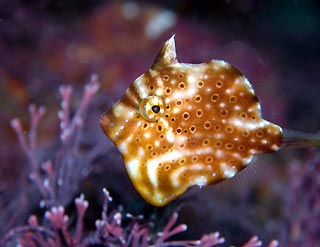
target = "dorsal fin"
x: 167, y: 55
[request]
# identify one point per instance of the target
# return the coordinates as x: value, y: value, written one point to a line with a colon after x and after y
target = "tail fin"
x: 296, y: 139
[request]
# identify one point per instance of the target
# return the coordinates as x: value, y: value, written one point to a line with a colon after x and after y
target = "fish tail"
x: 297, y: 139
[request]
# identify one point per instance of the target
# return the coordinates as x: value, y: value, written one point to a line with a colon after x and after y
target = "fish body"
x: 179, y: 125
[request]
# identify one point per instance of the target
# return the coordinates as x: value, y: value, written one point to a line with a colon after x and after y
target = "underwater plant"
x: 57, y: 179
x: 110, y: 231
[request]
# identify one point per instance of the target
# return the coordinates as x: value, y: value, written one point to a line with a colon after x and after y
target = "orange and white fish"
x: 180, y: 125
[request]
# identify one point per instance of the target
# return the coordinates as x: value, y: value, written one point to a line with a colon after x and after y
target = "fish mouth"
x: 105, y: 123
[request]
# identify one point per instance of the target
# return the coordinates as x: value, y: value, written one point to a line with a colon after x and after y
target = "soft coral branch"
x: 168, y: 231
x: 28, y: 144
x: 57, y: 179
x: 110, y: 231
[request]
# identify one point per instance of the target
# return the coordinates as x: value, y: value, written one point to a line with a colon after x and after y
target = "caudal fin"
x: 296, y: 139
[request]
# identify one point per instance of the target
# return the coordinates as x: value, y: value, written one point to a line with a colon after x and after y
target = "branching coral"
x: 57, y: 180
x: 110, y: 231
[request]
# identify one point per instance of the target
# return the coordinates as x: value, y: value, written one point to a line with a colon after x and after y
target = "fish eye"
x: 155, y: 108
x: 151, y: 108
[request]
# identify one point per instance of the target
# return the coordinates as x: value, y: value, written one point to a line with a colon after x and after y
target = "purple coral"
x: 58, y: 179
x: 110, y: 231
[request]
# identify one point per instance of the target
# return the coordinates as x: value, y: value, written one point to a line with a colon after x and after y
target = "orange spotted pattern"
x: 180, y: 125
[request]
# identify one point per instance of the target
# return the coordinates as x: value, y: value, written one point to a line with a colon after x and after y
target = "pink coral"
x: 58, y: 179
x: 110, y: 231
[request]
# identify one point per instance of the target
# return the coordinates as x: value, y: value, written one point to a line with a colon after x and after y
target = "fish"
x: 180, y: 124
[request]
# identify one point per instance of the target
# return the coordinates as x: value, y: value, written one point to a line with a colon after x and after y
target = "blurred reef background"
x: 48, y: 43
